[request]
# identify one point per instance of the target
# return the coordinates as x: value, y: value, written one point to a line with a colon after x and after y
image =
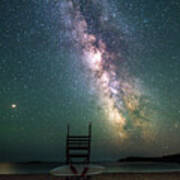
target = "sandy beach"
x: 109, y: 176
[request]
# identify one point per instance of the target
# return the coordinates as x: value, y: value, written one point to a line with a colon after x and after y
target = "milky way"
x: 121, y: 95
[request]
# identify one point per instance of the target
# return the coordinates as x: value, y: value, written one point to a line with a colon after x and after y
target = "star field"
x: 113, y: 63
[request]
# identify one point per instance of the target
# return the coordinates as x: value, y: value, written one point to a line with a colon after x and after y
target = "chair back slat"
x: 78, y: 147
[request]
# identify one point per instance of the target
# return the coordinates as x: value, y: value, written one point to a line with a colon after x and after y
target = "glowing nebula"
x: 119, y: 96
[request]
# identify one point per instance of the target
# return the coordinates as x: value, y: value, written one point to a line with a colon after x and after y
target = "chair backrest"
x: 78, y: 147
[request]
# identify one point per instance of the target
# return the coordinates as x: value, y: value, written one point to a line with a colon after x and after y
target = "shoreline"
x: 110, y: 168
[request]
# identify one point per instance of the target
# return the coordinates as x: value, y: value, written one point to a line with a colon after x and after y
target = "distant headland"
x: 167, y: 158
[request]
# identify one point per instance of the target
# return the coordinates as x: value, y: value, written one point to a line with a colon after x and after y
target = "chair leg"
x: 78, y: 178
x: 83, y: 178
x: 49, y: 177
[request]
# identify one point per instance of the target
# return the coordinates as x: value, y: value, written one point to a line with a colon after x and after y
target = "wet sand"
x: 108, y: 176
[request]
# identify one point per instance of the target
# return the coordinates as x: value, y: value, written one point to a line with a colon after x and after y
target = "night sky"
x: 115, y: 63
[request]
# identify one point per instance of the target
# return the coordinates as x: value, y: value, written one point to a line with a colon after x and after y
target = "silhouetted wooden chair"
x: 78, y: 147
x: 77, y: 158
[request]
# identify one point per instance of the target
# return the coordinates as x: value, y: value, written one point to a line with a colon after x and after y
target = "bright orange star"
x: 13, y: 106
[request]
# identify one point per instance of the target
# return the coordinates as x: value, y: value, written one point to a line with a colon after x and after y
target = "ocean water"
x: 26, y: 168
x: 141, y: 167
